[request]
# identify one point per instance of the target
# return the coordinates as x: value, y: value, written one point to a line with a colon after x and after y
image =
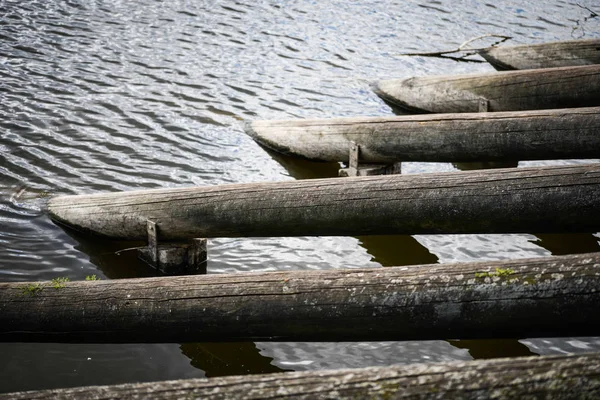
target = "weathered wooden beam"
x: 542, y: 297
x: 533, y: 89
x: 543, y: 55
x: 548, y: 199
x: 556, y: 377
x: 468, y: 137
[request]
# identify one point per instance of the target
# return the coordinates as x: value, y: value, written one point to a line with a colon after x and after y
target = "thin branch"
x: 461, y: 48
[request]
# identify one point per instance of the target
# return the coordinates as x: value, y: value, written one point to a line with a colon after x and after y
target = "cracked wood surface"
x: 541, y: 297
x: 544, y: 55
x: 548, y: 377
x: 465, y: 137
x: 533, y: 89
x: 548, y: 199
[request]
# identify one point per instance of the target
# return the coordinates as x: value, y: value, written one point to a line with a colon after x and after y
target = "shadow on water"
x: 471, y: 166
x: 301, y: 168
x: 493, y: 348
x: 397, y: 250
x: 116, y: 259
x: 572, y: 243
x: 223, y: 359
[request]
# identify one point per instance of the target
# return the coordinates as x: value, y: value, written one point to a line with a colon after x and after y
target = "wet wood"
x: 533, y: 89
x: 556, y: 377
x: 542, y: 297
x: 544, y: 55
x: 468, y: 137
x: 547, y: 199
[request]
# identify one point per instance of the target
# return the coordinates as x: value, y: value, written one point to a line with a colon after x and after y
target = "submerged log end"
x: 488, y: 55
x: 383, y: 90
x: 253, y: 129
x: 82, y: 213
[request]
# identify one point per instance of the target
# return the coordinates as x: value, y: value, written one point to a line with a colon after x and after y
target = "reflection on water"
x: 562, y: 244
x: 140, y: 95
x: 299, y: 168
x: 470, y: 166
x: 115, y: 259
x: 397, y: 250
x: 493, y: 348
x: 222, y: 359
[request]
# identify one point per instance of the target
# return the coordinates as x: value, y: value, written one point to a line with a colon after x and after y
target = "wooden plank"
x: 547, y: 199
x: 540, y: 297
x: 557, y: 377
x: 465, y: 137
x: 533, y: 89
x: 543, y: 55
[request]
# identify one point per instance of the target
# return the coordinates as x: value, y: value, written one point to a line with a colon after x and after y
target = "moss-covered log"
x: 542, y: 297
x: 548, y: 199
x: 555, y: 377
x: 533, y: 89
x: 544, y: 55
x: 467, y: 137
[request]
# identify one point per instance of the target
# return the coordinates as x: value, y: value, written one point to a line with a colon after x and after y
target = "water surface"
x: 101, y: 96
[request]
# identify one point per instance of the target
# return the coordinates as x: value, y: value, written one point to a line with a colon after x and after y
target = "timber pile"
x: 529, y: 377
x: 540, y: 297
x: 547, y: 199
x: 543, y: 55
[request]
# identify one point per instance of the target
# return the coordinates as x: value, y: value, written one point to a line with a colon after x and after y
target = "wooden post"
x: 556, y: 377
x: 540, y: 297
x: 464, y: 137
x: 547, y: 199
x: 357, y: 169
x: 174, y: 258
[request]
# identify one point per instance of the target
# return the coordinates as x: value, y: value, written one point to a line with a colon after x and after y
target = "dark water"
x: 100, y: 96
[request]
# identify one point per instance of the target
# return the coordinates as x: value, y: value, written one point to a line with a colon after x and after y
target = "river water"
x: 100, y: 96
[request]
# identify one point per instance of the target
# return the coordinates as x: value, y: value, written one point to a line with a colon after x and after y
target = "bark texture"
x: 468, y: 137
x: 544, y: 55
x: 548, y: 377
x: 533, y: 89
x: 542, y: 297
x: 548, y: 199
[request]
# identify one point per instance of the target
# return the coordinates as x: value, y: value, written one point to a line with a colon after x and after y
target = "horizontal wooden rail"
x: 532, y: 89
x: 468, y: 137
x: 557, y: 377
x: 544, y: 55
x: 541, y: 297
x: 548, y: 199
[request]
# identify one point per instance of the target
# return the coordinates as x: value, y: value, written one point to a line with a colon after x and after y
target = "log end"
x: 382, y: 89
x: 489, y: 56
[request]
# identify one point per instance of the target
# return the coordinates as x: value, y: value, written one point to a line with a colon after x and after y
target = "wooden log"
x: 469, y: 137
x: 532, y: 89
x: 543, y: 55
x: 556, y: 377
x: 546, y: 199
x: 543, y: 297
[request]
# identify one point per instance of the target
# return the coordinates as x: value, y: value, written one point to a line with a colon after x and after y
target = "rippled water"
x: 103, y: 96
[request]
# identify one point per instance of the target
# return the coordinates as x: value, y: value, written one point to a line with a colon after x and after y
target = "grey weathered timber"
x: 541, y: 297
x: 533, y: 89
x: 467, y: 137
x: 543, y: 55
x: 547, y: 199
x: 548, y: 377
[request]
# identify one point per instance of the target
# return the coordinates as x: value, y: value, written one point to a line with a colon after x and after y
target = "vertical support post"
x: 484, y: 105
x: 353, y: 159
x: 174, y: 258
x: 152, y: 242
